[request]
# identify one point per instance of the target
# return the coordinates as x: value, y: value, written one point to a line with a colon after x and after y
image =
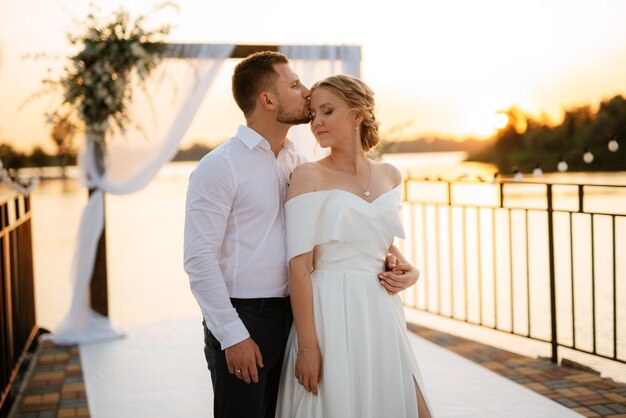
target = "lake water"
x: 145, y: 234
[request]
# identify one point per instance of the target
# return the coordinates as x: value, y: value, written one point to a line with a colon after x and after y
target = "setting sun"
x: 499, y: 120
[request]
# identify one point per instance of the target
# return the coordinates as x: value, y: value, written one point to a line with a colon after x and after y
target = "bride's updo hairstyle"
x: 359, y: 96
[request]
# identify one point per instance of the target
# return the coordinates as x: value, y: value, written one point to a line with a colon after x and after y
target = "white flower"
x: 101, y: 92
x: 104, y: 125
x: 142, y: 70
x: 97, y: 69
x: 118, y: 85
x: 137, y: 50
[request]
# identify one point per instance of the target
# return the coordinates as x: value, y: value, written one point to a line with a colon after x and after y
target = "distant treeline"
x: 194, y: 153
x: 38, y: 157
x: 14, y: 159
x: 523, y: 143
x: 526, y: 142
x: 434, y: 145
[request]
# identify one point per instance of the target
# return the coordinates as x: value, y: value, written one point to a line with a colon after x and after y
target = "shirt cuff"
x: 232, y: 333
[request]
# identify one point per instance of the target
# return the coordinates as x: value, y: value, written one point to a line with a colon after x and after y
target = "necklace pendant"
x: 367, y: 193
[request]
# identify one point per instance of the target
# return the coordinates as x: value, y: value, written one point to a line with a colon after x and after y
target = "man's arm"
x: 210, y: 196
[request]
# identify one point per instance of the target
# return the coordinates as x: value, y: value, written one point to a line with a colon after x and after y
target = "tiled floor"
x: 584, y: 392
x: 55, y: 388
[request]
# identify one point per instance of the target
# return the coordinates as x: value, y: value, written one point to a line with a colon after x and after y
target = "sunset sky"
x: 439, y: 67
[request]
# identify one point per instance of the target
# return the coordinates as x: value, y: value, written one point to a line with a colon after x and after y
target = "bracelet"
x: 305, y: 350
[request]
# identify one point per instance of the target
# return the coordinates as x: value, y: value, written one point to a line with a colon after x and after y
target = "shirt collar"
x: 249, y: 136
x: 288, y: 144
x: 252, y: 138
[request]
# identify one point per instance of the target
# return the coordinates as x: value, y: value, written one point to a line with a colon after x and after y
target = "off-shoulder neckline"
x: 345, y: 191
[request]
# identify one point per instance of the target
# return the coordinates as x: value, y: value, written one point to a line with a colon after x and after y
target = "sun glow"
x: 484, y: 123
x: 448, y: 73
x: 499, y: 120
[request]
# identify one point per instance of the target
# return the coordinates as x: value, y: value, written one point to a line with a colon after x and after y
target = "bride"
x: 348, y: 354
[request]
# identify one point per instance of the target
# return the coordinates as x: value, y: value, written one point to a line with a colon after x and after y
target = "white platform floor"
x: 159, y: 371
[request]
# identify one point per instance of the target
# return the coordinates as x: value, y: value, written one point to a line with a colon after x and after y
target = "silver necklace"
x: 366, y: 191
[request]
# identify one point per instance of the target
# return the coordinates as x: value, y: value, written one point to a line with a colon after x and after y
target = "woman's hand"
x: 391, y: 261
x: 309, y: 369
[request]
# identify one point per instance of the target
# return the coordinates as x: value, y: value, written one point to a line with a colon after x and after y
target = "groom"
x: 235, y: 249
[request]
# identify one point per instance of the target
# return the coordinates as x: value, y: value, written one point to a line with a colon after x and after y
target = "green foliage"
x: 526, y: 142
x: 96, y: 80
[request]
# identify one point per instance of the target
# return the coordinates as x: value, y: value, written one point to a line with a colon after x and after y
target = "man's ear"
x: 266, y: 100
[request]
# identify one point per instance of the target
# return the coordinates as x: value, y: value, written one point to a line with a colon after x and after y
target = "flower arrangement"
x: 97, y: 80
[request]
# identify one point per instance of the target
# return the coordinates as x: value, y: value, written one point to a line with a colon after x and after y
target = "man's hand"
x: 242, y: 360
x: 401, y: 277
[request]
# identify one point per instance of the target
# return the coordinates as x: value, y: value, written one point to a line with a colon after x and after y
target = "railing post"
x: 6, y: 274
x: 606, y: 234
x: 18, y: 329
x: 554, y: 339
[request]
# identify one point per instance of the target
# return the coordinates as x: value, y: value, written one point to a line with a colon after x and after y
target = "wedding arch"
x: 171, y: 96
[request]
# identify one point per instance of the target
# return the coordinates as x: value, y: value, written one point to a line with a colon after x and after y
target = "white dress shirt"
x: 235, y: 229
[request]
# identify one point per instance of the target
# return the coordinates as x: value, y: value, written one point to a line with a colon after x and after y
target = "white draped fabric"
x: 165, y: 108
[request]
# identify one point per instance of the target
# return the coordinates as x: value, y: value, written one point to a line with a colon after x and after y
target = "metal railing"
x: 18, y: 328
x: 538, y: 260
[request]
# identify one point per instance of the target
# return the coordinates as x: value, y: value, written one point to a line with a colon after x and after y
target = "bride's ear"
x: 358, y: 117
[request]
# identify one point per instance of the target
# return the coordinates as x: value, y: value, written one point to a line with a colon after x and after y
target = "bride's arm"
x: 309, y: 359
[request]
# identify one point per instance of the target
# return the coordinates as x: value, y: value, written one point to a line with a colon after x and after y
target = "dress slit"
x: 422, y: 406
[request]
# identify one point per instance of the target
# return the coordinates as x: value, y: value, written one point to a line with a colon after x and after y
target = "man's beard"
x: 293, y: 117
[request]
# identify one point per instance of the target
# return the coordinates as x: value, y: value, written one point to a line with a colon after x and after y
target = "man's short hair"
x: 255, y: 74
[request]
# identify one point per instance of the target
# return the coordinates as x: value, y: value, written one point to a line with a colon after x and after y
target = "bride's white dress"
x: 368, y: 367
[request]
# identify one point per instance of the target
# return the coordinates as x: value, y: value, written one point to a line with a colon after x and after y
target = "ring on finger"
x: 238, y: 371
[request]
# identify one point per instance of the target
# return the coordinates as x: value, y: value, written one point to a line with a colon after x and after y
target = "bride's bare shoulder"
x: 304, y: 178
x: 389, y: 171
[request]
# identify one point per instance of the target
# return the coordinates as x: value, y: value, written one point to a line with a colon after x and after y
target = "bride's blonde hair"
x: 360, y: 97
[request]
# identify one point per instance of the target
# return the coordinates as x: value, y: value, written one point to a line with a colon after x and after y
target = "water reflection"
x: 464, y: 254
x: 485, y: 259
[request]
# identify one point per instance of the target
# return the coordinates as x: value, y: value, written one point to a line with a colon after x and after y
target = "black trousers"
x: 268, y: 321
